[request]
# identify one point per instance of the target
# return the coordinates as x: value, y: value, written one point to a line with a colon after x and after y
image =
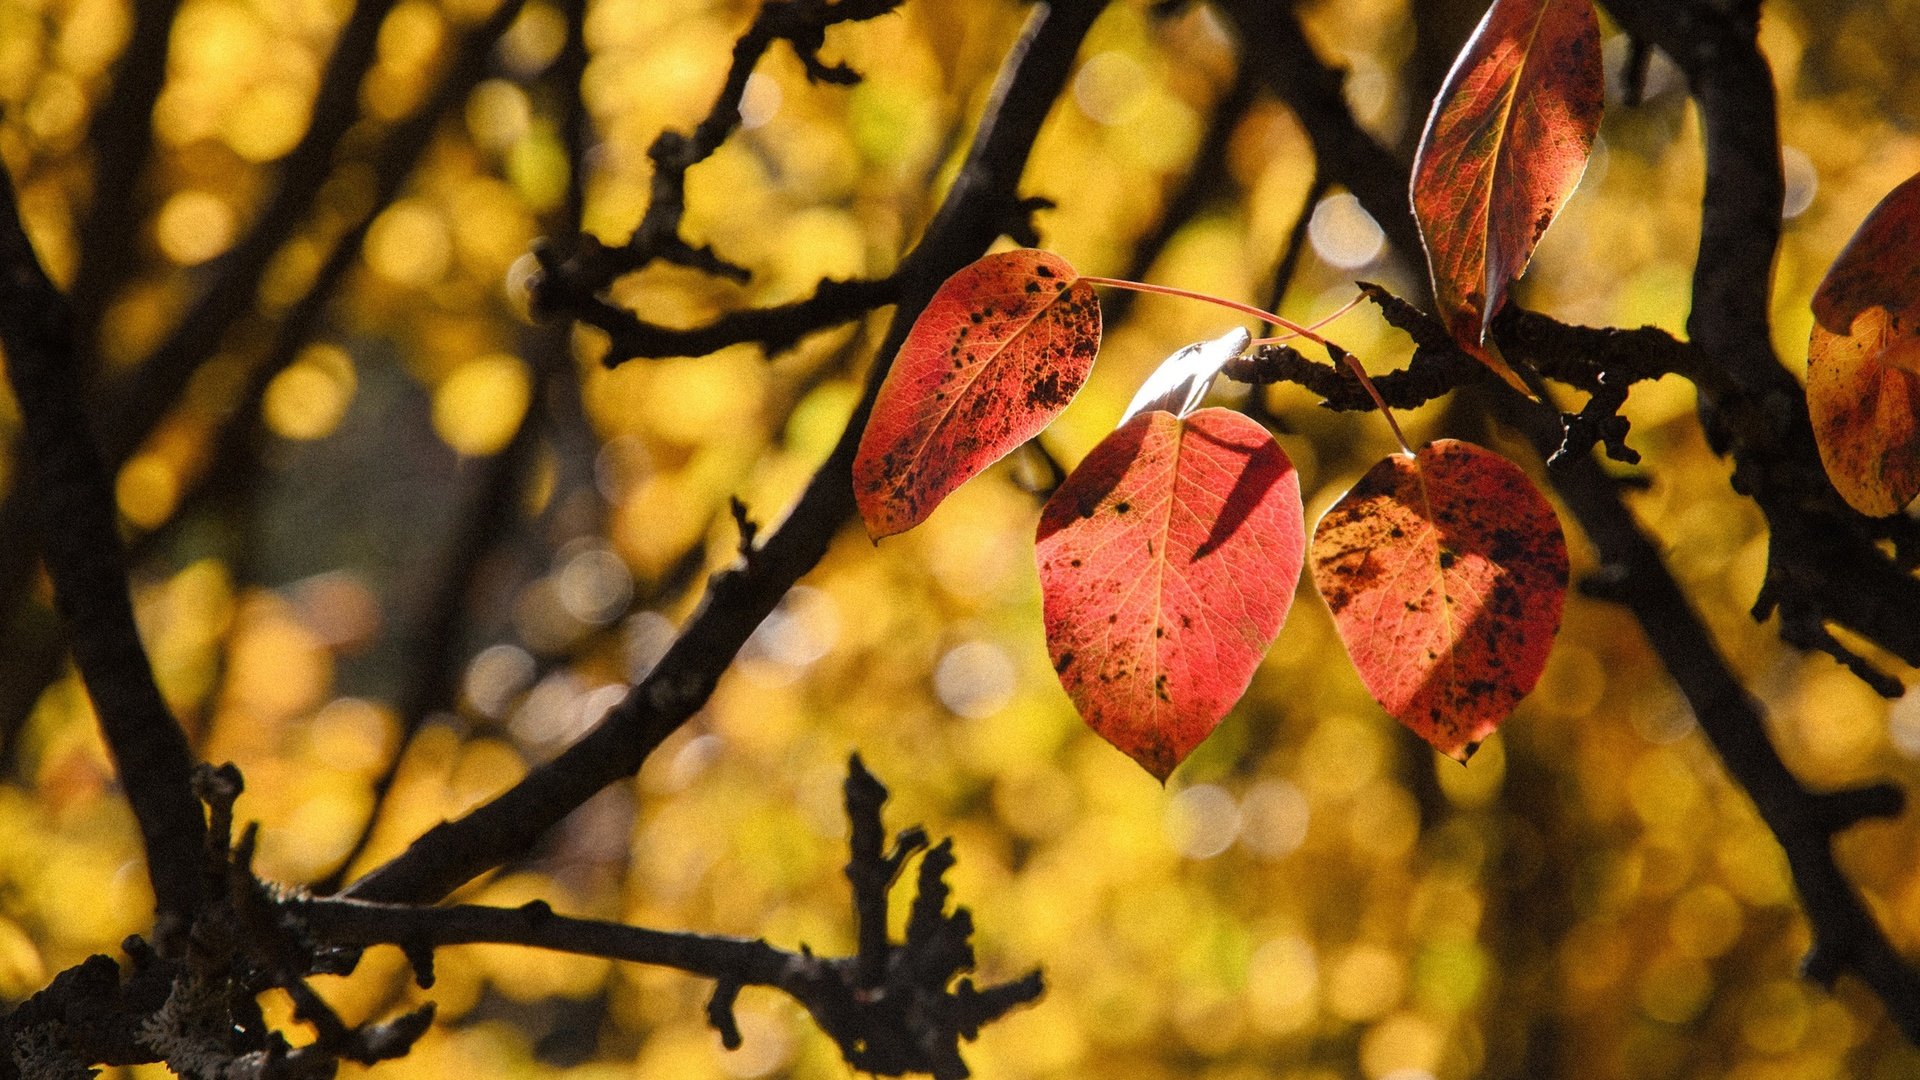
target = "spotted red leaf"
x: 1002, y: 347
x: 1863, y: 362
x: 1503, y: 148
x: 1167, y: 563
x: 1445, y: 573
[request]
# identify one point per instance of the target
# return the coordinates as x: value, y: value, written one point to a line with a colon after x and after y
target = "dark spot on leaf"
x: 1048, y: 393
x: 1061, y: 665
x: 1122, y: 508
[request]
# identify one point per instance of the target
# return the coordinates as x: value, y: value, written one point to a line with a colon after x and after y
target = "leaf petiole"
x: 1232, y: 305
x: 1314, y: 325
x: 1366, y: 383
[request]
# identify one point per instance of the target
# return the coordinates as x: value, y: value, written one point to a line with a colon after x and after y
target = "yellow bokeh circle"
x: 477, y: 408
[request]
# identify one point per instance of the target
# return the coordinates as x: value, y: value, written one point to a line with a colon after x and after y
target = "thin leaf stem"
x: 1366, y: 383
x: 1232, y: 305
x: 1294, y: 330
x: 1314, y: 325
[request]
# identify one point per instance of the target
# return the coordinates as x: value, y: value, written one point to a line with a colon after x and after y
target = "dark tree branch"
x: 87, y: 1015
x: 36, y: 648
x: 121, y: 136
x: 737, y: 600
x: 1846, y: 937
x: 156, y: 385
x: 1824, y: 565
x: 73, y: 496
x: 1804, y: 822
x: 575, y: 125
x: 1604, y: 362
x: 576, y: 267
x: 1823, y: 558
x: 356, y: 924
x: 888, y: 1006
x: 238, y: 435
x: 196, y: 1011
x: 801, y: 23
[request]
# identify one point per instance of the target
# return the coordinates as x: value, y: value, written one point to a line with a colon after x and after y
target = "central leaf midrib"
x: 1160, y: 576
x: 1440, y: 576
x: 1500, y: 157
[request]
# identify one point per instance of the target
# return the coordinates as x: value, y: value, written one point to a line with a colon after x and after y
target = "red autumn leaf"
x: 999, y: 351
x: 1167, y: 563
x: 1503, y: 149
x: 1863, y: 362
x: 1445, y: 573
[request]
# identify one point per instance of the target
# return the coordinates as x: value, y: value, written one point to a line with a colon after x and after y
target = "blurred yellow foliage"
x: 478, y: 406
x: 1313, y: 896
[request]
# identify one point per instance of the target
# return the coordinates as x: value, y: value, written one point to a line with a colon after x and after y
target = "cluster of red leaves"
x: 1169, y: 558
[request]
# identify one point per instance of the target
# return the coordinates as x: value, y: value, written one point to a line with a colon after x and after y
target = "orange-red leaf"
x: 1504, y: 147
x: 1863, y: 362
x: 1445, y: 573
x: 1000, y: 349
x: 1167, y: 563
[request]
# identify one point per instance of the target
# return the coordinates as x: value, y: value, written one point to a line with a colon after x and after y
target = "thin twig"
x: 775, y: 329
x: 571, y: 279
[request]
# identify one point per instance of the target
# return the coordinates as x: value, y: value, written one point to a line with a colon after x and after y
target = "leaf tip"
x: 883, y: 520
x: 1158, y: 767
x: 1488, y: 352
